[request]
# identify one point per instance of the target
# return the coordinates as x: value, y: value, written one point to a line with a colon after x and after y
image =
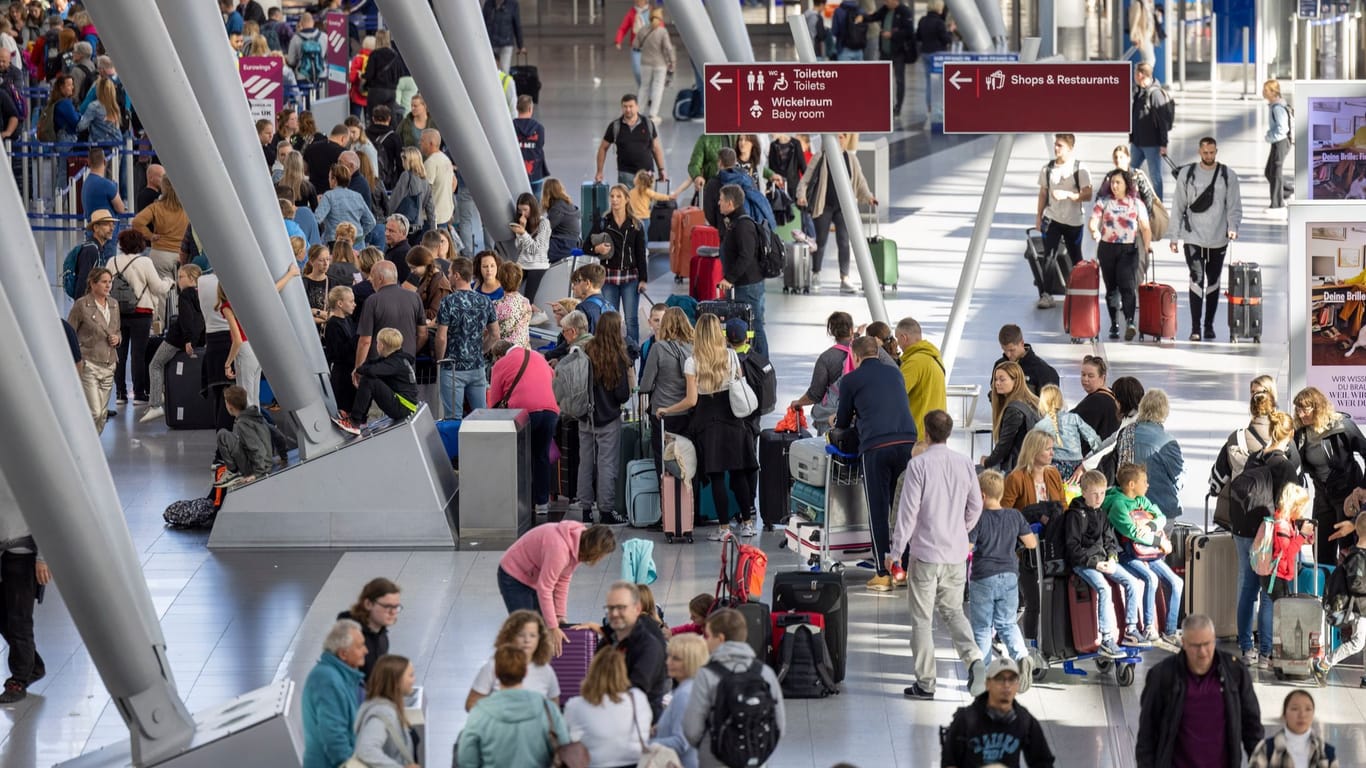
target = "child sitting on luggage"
x: 1093, y: 555
x: 245, y: 449
x: 994, y: 592
x: 1140, y: 526
x: 586, y: 282
x: 698, y: 607
x: 390, y: 381
x: 1353, y: 570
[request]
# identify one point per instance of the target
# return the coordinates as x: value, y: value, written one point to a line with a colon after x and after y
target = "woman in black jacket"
x: 1329, y: 444
x: 1014, y: 411
x: 623, y: 256
x: 1100, y: 407
x: 382, y: 72
x: 185, y: 333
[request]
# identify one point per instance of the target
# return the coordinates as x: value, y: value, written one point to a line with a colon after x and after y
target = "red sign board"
x: 828, y: 97
x: 1059, y: 97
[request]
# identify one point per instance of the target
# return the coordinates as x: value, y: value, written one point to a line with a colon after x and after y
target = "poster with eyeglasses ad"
x: 1330, y: 133
x: 1336, y: 253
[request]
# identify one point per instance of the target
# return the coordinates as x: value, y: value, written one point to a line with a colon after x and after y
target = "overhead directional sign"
x: 1058, y: 97
x: 828, y: 97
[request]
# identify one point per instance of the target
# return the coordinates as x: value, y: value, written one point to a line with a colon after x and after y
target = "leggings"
x: 742, y: 484
x: 831, y: 214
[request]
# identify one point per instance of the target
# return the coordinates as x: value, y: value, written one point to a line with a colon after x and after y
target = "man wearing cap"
x: 97, y: 249
x: 993, y: 729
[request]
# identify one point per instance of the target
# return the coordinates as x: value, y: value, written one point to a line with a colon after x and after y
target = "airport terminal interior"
x: 238, y: 620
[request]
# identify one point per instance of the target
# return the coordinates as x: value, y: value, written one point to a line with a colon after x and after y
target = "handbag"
x: 743, y: 401
x: 1160, y: 222
x: 571, y: 755
x: 1147, y: 552
x: 404, y: 754
x: 652, y: 755
x: 507, y: 396
x: 844, y: 439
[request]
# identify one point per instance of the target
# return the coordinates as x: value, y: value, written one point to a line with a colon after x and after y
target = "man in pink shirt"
x: 522, y: 379
x: 940, y: 503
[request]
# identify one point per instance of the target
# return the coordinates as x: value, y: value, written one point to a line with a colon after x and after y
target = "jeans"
x: 96, y: 382
x: 1149, y: 571
x: 469, y: 225
x: 1098, y: 582
x: 156, y: 371
x: 626, y: 298
x: 936, y: 587
x: 19, y: 590
x: 1067, y: 234
x: 518, y: 596
x: 831, y: 214
x: 1249, y: 592
x: 993, y: 603
x: 635, y: 66
x: 134, y: 330
x: 1119, y: 267
x: 455, y: 385
x: 598, y: 447
x: 881, y: 467
x: 753, y: 295
x: 1153, y: 156
x: 1275, y: 166
x: 541, y: 431
x: 652, y: 91
x: 849, y: 54
x: 1206, y: 267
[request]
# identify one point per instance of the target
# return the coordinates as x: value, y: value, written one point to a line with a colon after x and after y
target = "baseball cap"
x: 737, y: 330
x: 1002, y: 664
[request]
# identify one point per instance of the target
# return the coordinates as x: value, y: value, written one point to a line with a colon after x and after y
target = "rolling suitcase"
x: 759, y: 620
x: 1051, y: 270
x: 821, y: 593
x: 797, y: 268
x: 884, y: 255
x: 1180, y: 535
x: 1055, y: 626
x: 526, y: 77
x: 1081, y: 308
x: 807, y: 502
x: 1083, y: 615
x: 571, y: 666
x: 808, y: 461
x: 449, y: 430
x: 642, y: 494
x: 678, y: 505
x: 775, y: 479
x: 567, y: 468
x: 809, y: 539
x: 592, y: 205
x: 1297, y: 631
x: 1244, y: 301
x: 688, y: 105
x: 632, y: 445
x: 680, y: 238
x: 704, y: 268
x: 1156, y: 309
x: 1211, y: 581
x: 186, y: 406
x: 660, y: 228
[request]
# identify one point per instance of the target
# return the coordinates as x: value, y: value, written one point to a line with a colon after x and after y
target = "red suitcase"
x: 704, y: 272
x: 1084, y: 614
x: 1081, y: 307
x: 680, y: 239
x: 571, y: 666
x: 1156, y: 310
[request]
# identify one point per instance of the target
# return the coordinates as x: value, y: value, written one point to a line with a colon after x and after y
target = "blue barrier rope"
x: 1201, y: 20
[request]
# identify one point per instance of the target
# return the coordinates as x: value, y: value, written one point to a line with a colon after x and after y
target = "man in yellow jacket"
x: 926, y: 389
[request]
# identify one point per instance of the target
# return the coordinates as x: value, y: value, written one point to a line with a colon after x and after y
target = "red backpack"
x: 743, y: 568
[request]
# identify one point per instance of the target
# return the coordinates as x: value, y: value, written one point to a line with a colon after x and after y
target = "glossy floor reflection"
x: 239, y: 620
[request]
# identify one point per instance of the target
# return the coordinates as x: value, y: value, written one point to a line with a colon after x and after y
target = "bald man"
x: 149, y: 194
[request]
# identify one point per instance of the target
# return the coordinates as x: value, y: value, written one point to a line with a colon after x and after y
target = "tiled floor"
x: 236, y: 621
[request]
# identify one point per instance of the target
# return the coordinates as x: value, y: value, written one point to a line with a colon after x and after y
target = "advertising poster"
x: 1337, y: 148
x: 263, y: 79
x: 334, y: 26
x: 1337, y: 313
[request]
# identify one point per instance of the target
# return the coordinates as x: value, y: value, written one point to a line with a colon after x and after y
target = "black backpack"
x: 1250, y: 499
x: 761, y: 377
x: 743, y: 720
x: 772, y: 253
x: 854, y: 37
x: 804, y: 667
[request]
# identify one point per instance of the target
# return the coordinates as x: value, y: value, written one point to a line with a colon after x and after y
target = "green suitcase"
x: 884, y: 257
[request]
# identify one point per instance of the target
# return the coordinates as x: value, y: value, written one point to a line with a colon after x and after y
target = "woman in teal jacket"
x: 511, y: 727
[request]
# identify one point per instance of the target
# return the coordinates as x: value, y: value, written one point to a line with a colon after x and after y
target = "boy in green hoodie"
x: 1144, y: 543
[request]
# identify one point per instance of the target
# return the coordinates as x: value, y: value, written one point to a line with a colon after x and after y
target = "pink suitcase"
x: 571, y: 666
x: 677, y: 505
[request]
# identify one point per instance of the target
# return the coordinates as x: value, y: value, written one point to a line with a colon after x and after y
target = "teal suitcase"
x: 592, y: 205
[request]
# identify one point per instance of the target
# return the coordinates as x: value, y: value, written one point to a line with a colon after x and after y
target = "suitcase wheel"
x: 679, y: 279
x: 690, y: 538
x: 806, y: 291
x: 668, y: 538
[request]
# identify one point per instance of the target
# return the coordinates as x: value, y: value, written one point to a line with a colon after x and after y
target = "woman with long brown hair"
x: 600, y: 431
x: 383, y: 737
x: 296, y: 181
x: 431, y: 286
x: 1014, y: 411
x: 565, y: 222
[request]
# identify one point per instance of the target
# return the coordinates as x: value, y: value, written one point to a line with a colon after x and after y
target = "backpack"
x: 743, y: 721
x: 76, y: 266
x: 47, y: 122
x: 122, y: 291
x: 761, y: 377
x: 1250, y: 499
x: 1290, y: 118
x: 387, y: 172
x: 191, y: 513
x: 1238, y: 451
x: 1262, y: 555
x: 52, y: 53
x: 686, y: 303
x: 1164, y: 111
x: 854, y: 36
x: 771, y: 252
x: 91, y: 75
x: 804, y: 667
x: 271, y: 32
x: 312, y: 66
x: 573, y: 384
x: 410, y: 210
x: 1048, y: 179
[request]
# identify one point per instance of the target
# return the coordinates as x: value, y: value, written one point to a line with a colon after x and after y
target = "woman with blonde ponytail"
x: 1073, y: 438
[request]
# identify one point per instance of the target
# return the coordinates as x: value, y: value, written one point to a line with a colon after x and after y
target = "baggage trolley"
x: 837, y: 535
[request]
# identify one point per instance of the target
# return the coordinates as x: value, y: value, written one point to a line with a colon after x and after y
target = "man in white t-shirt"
x: 440, y: 174
x: 1064, y: 186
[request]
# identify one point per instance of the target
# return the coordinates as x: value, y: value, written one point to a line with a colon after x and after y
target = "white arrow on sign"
x: 717, y: 80
x: 958, y: 79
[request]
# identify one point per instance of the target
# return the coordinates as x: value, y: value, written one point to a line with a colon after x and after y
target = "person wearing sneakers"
x: 1093, y: 554
x: 1064, y: 186
x: 389, y: 381
x: 245, y: 449
x: 993, y: 592
x: 872, y: 393
x: 23, y: 576
x: 994, y: 729
x: 1139, y: 525
x: 940, y: 503
x: 1205, y: 217
x: 1351, y: 600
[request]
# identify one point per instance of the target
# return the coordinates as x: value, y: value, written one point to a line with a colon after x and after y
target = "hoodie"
x: 736, y: 657
x: 1133, y: 519
x: 1089, y: 538
x: 565, y: 229
x: 510, y: 729
x: 979, y: 736
x: 926, y: 388
x: 376, y: 724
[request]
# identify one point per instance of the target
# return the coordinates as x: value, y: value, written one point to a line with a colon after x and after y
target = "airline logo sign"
x: 1059, y: 97
x: 829, y: 97
x: 334, y: 30
x: 263, y: 79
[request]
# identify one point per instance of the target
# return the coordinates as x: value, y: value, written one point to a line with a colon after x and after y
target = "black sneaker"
x: 916, y: 692
x: 1114, y: 332
x: 1209, y: 334
x: 14, y: 691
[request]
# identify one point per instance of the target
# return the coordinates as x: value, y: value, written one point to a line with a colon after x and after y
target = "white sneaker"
x: 152, y: 414
x: 815, y: 280
x: 717, y: 535
x: 541, y: 509
x: 747, y: 529
x: 1045, y: 302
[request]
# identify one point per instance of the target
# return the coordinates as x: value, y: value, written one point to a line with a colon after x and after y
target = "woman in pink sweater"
x: 535, y: 571
x: 521, y: 379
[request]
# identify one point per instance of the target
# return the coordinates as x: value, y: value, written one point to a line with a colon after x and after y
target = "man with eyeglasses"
x: 642, y: 642
x: 994, y: 729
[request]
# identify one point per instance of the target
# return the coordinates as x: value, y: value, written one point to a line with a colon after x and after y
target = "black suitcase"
x: 759, y: 621
x: 1244, y: 301
x: 186, y: 406
x: 661, y: 219
x: 821, y: 593
x: 527, y: 78
x: 775, y: 477
x: 725, y: 309
x: 1055, y: 624
x: 1051, y: 270
x: 567, y: 470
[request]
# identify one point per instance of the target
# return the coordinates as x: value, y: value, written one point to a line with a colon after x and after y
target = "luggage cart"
x: 831, y: 537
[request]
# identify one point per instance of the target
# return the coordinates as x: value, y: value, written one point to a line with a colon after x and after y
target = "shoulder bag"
x: 571, y: 755
x: 652, y: 755
x: 743, y: 401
